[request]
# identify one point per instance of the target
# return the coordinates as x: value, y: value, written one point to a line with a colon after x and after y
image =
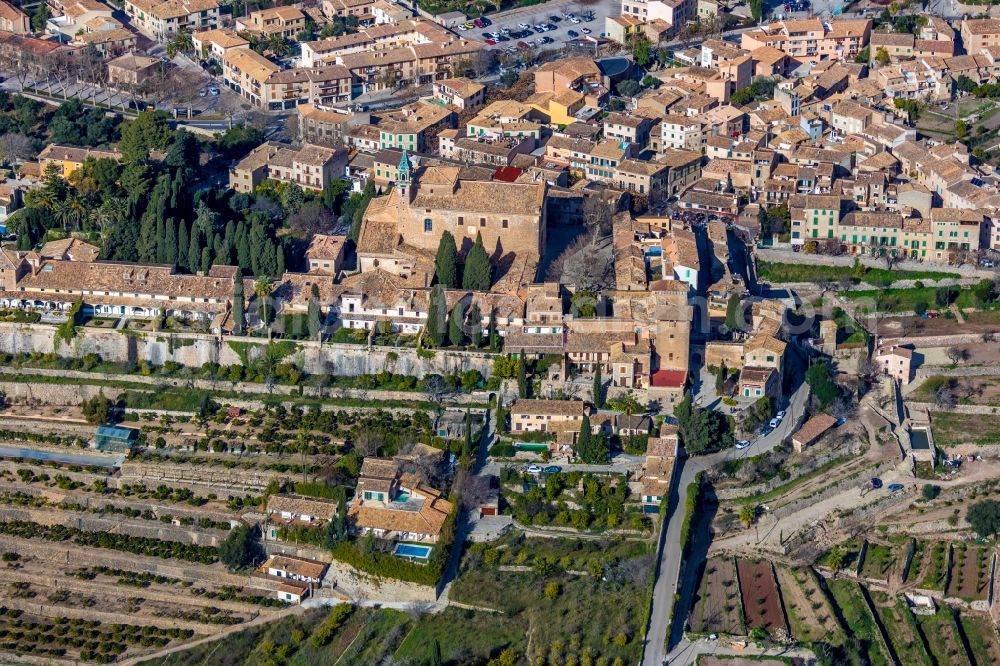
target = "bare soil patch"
x: 717, y: 608
x: 760, y: 596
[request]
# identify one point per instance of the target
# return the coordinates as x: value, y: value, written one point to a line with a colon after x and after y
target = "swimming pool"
x: 412, y: 551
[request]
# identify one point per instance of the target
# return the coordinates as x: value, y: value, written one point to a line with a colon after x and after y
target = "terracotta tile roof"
x: 324, y: 246
x: 296, y: 504
x: 812, y: 429
x: 548, y: 407
x: 298, y: 566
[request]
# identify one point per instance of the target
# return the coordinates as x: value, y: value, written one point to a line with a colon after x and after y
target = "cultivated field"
x: 717, y: 608
x: 970, y: 573
x: 810, y: 614
x: 902, y: 629
x: 761, y: 601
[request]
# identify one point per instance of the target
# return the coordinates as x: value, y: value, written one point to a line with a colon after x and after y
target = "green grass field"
x: 847, y: 596
x: 806, y: 272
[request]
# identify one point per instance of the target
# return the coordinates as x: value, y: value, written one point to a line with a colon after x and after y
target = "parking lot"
x: 536, y: 14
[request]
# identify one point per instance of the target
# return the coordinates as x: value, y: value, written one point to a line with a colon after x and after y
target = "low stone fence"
x: 760, y: 488
x: 214, y: 478
x: 923, y: 342
x: 958, y: 409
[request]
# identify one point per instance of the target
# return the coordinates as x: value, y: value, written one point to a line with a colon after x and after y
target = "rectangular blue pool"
x: 412, y: 551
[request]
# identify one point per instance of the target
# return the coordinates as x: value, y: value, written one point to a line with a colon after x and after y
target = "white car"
x: 461, y: 27
x: 743, y: 444
x: 574, y: 19
x: 524, y: 26
x: 780, y: 415
x: 534, y: 469
x: 774, y: 423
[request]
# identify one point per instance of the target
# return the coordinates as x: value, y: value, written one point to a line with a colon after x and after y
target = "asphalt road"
x: 666, y: 632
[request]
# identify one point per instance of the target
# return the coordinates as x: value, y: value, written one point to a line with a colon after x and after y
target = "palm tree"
x: 263, y: 288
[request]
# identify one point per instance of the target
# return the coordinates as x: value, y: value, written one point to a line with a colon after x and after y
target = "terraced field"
x: 809, y: 612
x: 902, y: 629
x: 860, y: 624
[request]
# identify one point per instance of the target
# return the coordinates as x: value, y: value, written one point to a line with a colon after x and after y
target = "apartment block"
x: 161, y: 20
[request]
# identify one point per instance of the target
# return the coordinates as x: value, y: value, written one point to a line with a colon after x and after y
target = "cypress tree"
x: 161, y: 246
x: 183, y: 245
x: 239, y: 307
x: 598, y: 390
x: 435, y: 328
x: 279, y: 260
x: 477, y: 274
x: 476, y: 324
x: 194, y: 249
x: 243, y: 247
x: 522, y: 376
x: 206, y: 259
x: 720, y: 379
x: 468, y: 433
x: 315, y: 317
x: 491, y: 333
x: 446, y: 264
x: 456, y: 334
x: 170, y: 242
x: 583, y: 439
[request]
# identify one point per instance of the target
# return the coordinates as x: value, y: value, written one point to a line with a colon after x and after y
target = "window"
x: 428, y: 225
x: 482, y: 221
x: 504, y: 223
x: 461, y: 220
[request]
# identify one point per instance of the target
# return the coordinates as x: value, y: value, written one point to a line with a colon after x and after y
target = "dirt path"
x: 263, y: 619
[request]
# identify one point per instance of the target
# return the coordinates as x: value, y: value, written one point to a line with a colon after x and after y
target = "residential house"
x: 811, y: 431
x: 131, y: 70
x: 284, y: 511
x: 396, y: 506
x: 541, y: 415
x: 162, y: 19
x: 212, y: 45
x: 325, y: 254
x: 70, y: 158
x: 286, y: 22
x: 896, y: 361
x: 460, y: 93
x: 310, y: 167
x: 13, y: 19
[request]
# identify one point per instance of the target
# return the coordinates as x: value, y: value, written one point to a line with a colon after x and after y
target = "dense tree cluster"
x: 701, y: 430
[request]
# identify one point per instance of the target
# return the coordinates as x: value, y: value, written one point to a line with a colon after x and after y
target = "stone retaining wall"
x: 137, y: 527
x: 196, y: 349
x: 359, y: 585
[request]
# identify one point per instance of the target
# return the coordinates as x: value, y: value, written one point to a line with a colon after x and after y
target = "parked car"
x: 213, y: 91
x: 522, y: 45
x: 895, y: 487
x: 501, y: 38
x: 534, y: 469
x: 552, y: 469
x: 876, y: 483
x: 523, y: 26
x: 479, y: 23
x: 585, y: 30
x: 545, y: 40
x: 574, y: 20
x: 780, y: 415
x: 573, y: 33
x: 775, y: 422
x: 505, y: 30
x: 555, y: 19
x: 743, y: 444
x: 491, y: 42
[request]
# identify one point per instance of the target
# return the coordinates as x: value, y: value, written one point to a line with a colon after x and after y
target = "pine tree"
x: 446, y: 264
x: 194, y: 249
x: 436, y: 310
x: 456, y: 325
x: 170, y: 242
x: 239, y: 307
x: 315, y: 316
x: 476, y: 324
x: 494, y: 338
x: 183, y: 245
x: 477, y: 273
x: 598, y: 390
x: 522, y: 376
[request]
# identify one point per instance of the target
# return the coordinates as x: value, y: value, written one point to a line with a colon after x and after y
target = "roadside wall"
x: 359, y: 585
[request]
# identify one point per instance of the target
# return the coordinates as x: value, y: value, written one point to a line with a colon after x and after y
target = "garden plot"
x: 859, y: 621
x: 761, y: 601
x: 982, y: 639
x: 970, y: 572
x: 717, y: 609
x: 881, y: 562
x: 902, y: 629
x: 943, y: 637
x: 933, y: 566
x: 809, y: 611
